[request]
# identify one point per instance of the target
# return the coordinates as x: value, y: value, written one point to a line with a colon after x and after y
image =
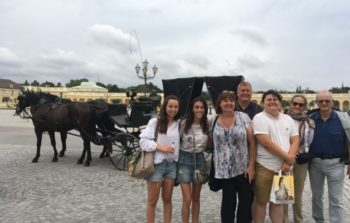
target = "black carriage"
x: 126, y: 137
x: 186, y: 89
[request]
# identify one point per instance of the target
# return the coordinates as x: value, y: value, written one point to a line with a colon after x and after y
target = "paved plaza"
x: 67, y: 192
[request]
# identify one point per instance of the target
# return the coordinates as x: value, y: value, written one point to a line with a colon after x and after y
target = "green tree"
x: 35, y: 83
x: 206, y: 95
x: 101, y: 85
x: 77, y: 82
x: 113, y: 88
x: 47, y: 84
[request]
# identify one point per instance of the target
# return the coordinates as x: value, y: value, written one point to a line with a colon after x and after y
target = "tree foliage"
x: 35, y: 83
x: 47, y: 84
x: 77, y: 82
x: 339, y: 90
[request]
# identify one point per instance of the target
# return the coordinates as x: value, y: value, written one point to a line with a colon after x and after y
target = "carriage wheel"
x: 123, y: 145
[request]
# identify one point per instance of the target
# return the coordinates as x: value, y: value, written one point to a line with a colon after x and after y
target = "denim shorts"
x: 185, y: 166
x: 164, y: 170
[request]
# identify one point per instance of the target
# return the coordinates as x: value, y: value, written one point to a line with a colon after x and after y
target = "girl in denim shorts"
x: 194, y: 138
x: 161, y: 136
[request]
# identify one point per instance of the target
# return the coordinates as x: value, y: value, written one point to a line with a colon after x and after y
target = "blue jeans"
x: 334, y: 171
x: 164, y: 170
x: 186, y: 166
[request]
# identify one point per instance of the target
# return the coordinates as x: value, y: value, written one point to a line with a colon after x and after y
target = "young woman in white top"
x: 166, y: 149
x: 194, y: 139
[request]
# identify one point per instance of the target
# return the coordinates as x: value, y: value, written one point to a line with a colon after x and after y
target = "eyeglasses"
x: 230, y: 92
x: 324, y: 101
x: 298, y: 104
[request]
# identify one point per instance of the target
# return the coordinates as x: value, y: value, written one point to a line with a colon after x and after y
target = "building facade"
x: 89, y: 91
x: 9, y: 92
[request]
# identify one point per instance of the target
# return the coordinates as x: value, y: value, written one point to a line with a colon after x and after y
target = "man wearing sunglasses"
x: 329, y: 146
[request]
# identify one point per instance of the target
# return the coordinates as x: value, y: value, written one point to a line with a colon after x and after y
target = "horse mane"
x: 52, y: 98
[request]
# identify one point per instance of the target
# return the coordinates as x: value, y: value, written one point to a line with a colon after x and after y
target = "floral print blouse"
x: 231, y: 147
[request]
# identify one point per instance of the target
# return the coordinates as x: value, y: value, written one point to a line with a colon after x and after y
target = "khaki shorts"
x: 262, y: 183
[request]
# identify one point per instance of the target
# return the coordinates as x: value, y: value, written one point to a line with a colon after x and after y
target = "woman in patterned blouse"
x: 234, y: 158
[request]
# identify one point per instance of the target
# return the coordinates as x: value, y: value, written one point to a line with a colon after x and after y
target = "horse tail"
x: 73, y: 115
x: 100, y: 118
x: 88, y: 128
x: 76, y: 120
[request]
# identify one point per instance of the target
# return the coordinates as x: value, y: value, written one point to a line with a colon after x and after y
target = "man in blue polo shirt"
x: 329, y: 146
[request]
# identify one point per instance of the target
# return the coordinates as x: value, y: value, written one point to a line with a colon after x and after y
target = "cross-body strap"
x: 156, y: 131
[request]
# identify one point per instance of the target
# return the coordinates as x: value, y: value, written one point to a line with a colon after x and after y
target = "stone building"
x: 9, y: 92
x: 88, y: 91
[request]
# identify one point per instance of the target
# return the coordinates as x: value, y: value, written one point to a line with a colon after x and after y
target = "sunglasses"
x: 324, y: 101
x: 298, y: 104
x: 230, y: 92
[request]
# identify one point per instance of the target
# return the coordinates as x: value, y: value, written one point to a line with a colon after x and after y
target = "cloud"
x: 59, y: 58
x: 250, y: 34
x: 250, y: 61
x: 8, y: 58
x: 197, y: 61
x: 112, y: 37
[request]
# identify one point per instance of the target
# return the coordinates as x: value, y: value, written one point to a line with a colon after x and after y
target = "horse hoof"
x: 101, y: 156
x: 54, y: 159
x: 61, y: 155
x: 79, y: 162
x: 86, y: 164
x: 35, y: 160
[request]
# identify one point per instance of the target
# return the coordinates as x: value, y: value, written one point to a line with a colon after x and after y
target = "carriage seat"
x: 117, y: 109
x: 118, y: 113
x: 140, y: 114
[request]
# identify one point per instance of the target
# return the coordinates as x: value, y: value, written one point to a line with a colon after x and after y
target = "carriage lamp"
x: 131, y: 93
x: 145, y: 76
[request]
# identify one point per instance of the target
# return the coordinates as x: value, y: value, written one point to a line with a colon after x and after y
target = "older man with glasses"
x: 329, y: 146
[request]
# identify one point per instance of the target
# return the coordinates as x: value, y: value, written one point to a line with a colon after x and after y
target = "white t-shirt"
x: 172, y: 137
x: 280, y: 129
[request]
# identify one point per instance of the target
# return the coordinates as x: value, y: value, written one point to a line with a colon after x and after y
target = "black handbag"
x: 214, y: 184
x: 303, y: 158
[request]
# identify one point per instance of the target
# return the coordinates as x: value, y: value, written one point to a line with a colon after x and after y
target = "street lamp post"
x: 145, y: 76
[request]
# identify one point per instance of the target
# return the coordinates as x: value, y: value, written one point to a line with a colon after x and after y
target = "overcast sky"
x: 279, y: 44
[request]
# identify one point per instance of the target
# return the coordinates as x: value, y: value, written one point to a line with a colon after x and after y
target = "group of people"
x: 251, y: 143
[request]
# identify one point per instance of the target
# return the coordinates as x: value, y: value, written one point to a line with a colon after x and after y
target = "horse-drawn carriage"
x: 117, y: 129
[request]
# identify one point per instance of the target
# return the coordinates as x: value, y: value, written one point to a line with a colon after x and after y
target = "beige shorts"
x: 263, y: 183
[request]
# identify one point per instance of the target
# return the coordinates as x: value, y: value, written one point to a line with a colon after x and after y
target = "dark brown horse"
x: 53, y: 117
x: 105, y: 126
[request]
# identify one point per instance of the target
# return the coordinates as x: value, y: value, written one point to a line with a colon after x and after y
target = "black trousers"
x: 232, y: 188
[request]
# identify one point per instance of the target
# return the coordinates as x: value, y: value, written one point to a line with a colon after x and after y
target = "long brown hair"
x: 204, y: 119
x: 163, y: 120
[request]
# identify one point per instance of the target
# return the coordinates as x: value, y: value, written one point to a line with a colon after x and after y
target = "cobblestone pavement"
x: 67, y: 192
